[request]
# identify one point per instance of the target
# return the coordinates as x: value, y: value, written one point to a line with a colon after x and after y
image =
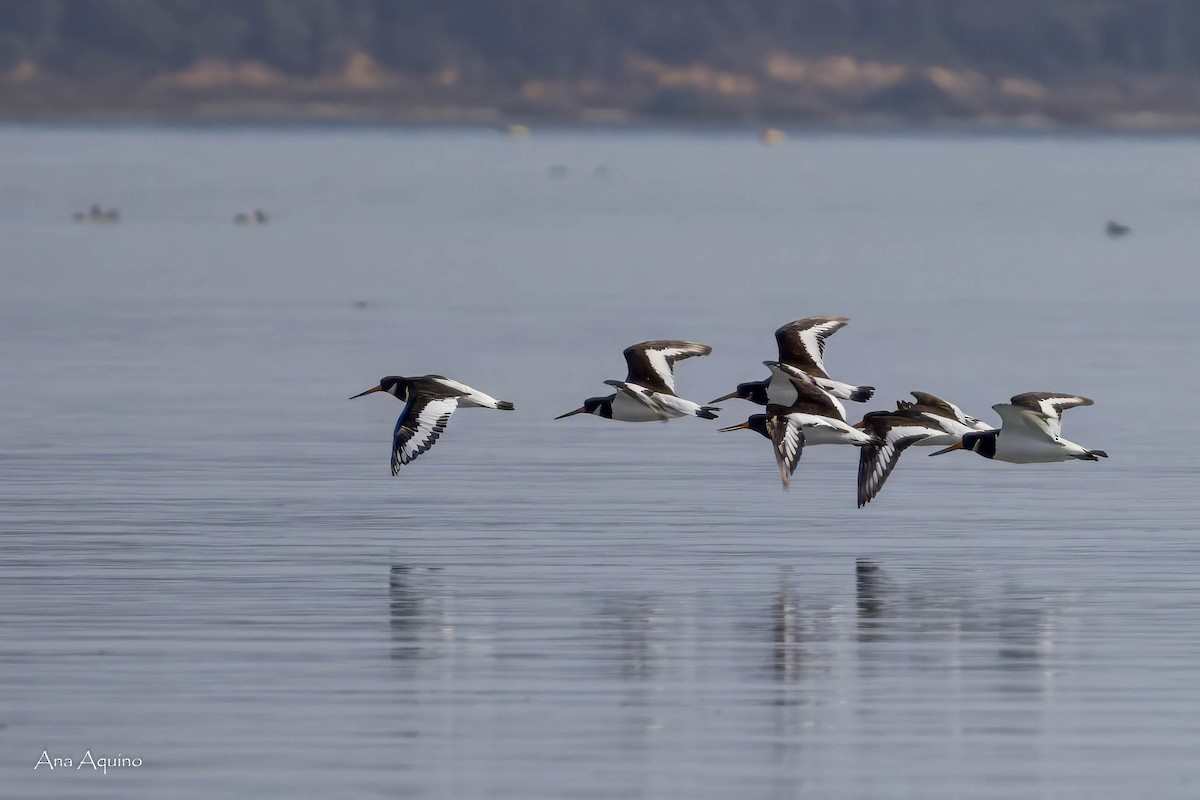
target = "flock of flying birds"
x: 803, y: 407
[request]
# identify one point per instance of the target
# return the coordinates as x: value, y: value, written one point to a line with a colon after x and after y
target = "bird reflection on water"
x: 412, y: 609
x: 787, y: 651
x: 629, y: 625
x: 954, y: 624
x: 941, y: 621
x: 871, y: 587
x: 810, y: 658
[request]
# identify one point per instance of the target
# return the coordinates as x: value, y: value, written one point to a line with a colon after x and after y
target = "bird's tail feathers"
x: 861, y: 394
x: 845, y: 391
x: 708, y: 412
x: 504, y: 405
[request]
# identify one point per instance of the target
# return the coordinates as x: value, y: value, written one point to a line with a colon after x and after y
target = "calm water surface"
x: 205, y: 564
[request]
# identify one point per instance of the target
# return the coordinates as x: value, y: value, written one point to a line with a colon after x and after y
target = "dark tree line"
x: 507, y: 40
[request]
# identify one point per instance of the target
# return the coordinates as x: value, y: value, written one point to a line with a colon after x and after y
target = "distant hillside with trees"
x: 1134, y: 62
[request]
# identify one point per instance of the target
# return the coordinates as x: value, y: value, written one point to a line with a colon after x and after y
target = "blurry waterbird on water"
x: 256, y: 217
x: 98, y: 214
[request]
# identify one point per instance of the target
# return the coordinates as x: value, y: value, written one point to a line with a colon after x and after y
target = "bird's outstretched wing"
x: 1040, y: 410
x: 651, y: 363
x: 419, y: 426
x: 894, y: 435
x: 787, y: 438
x: 937, y: 405
x: 802, y: 342
x: 934, y: 406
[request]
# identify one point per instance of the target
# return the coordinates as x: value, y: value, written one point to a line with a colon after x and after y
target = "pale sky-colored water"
x: 205, y: 564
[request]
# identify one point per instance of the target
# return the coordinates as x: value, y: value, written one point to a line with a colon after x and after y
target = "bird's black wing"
x: 419, y: 426
x: 802, y: 342
x: 651, y: 364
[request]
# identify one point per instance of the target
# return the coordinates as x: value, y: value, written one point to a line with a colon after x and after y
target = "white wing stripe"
x: 811, y: 339
x: 471, y: 396
x: 876, y: 463
x: 416, y: 436
x: 791, y: 442
x: 658, y: 363
x: 1054, y: 406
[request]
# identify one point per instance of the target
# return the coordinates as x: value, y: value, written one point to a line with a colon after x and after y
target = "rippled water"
x: 205, y: 564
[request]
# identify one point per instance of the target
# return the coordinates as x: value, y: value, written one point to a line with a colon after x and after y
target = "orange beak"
x: 955, y: 446
x: 368, y: 391
x: 745, y: 424
x: 580, y: 410
x: 731, y: 396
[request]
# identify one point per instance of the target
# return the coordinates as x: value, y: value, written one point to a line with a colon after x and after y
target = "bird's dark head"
x: 757, y: 423
x: 393, y: 384
x: 600, y: 406
x: 982, y: 442
x: 754, y: 391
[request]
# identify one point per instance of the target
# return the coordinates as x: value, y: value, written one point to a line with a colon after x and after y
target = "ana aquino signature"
x: 101, y: 763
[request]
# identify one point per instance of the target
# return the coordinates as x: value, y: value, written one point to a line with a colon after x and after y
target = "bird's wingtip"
x: 862, y: 394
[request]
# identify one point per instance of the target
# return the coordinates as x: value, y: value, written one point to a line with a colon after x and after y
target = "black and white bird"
x: 1030, y: 433
x: 815, y: 418
x: 929, y: 422
x: 802, y: 346
x: 952, y: 419
x: 789, y: 385
x: 429, y: 402
x: 648, y: 392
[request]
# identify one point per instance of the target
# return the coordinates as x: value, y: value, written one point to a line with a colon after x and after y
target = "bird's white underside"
x: 780, y: 390
x: 635, y: 403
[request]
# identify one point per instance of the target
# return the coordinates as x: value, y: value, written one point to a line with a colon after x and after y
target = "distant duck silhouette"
x: 256, y: 217
x: 98, y: 214
x: 1116, y: 230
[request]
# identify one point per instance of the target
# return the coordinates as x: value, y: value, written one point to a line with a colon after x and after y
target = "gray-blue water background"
x: 205, y: 564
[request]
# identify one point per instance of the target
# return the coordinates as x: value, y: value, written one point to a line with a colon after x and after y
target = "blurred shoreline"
x: 235, y: 115
x: 1169, y: 128
x: 928, y: 98
x: 1123, y: 65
